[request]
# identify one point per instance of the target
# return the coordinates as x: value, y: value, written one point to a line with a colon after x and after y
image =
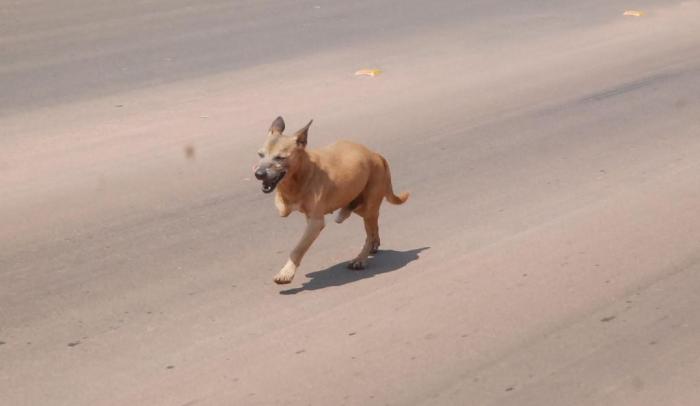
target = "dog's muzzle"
x: 269, y: 183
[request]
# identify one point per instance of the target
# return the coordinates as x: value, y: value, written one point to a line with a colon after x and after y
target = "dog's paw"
x: 282, y: 279
x: 342, y: 215
x: 357, y: 264
x: 285, y: 275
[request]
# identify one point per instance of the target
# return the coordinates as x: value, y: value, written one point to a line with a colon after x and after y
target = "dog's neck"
x: 291, y: 188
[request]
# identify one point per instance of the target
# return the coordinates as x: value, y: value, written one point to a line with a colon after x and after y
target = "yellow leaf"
x: 368, y: 72
x: 633, y: 13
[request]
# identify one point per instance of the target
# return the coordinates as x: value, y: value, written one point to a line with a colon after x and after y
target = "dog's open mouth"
x: 268, y: 185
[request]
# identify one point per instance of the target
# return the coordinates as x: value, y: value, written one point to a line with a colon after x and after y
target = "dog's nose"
x: 260, y: 174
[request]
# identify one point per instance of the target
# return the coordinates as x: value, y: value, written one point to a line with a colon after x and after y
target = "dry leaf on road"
x: 368, y: 72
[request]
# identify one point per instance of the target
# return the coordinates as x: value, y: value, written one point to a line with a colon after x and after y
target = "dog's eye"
x: 278, y: 158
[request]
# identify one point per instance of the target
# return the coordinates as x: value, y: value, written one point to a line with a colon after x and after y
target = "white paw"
x: 342, y: 215
x: 286, y: 274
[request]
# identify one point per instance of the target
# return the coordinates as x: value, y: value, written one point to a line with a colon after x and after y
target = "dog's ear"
x: 277, y: 126
x: 302, y: 135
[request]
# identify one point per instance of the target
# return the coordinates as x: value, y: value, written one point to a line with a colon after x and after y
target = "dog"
x: 344, y: 176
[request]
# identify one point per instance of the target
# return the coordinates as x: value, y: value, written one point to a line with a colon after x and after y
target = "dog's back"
x: 354, y: 168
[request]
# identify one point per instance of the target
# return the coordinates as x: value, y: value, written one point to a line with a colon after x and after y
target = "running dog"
x: 345, y: 176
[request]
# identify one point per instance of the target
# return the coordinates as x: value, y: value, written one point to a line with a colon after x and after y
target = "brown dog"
x: 344, y: 176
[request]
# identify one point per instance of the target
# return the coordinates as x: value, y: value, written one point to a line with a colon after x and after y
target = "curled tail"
x: 390, y: 196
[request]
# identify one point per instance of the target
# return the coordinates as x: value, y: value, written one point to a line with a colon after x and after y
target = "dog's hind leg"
x: 371, y: 243
x: 369, y: 210
x: 375, y: 243
x: 342, y: 215
x: 372, y: 198
x: 313, y: 229
x: 346, y: 211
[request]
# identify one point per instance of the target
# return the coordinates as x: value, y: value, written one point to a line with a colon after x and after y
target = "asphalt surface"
x: 549, y: 254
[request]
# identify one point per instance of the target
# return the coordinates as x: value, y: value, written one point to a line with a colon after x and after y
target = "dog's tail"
x: 390, y: 196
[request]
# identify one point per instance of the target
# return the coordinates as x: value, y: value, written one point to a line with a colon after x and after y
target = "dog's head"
x: 279, y: 155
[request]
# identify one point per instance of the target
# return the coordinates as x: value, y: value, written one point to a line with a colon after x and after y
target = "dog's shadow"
x: 337, y: 275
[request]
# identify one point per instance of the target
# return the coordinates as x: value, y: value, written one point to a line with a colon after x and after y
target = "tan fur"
x: 345, y: 176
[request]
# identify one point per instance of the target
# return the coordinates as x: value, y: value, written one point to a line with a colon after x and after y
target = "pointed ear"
x: 277, y: 126
x: 302, y: 135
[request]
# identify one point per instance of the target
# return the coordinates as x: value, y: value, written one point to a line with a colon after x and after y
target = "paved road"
x: 549, y: 253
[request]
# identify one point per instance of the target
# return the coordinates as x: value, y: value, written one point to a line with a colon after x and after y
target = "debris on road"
x: 368, y: 72
x: 189, y: 151
x: 633, y: 13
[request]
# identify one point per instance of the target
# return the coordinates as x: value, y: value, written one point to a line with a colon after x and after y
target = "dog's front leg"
x: 282, y: 208
x: 314, y: 225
